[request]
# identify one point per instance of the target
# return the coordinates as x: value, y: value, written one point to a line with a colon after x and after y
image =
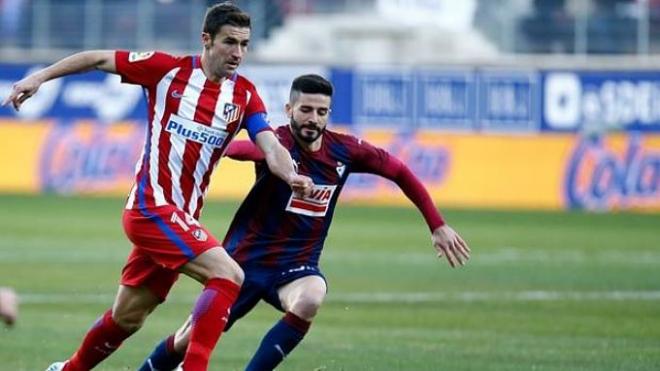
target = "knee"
x: 230, y: 271
x: 307, y: 305
x: 237, y: 275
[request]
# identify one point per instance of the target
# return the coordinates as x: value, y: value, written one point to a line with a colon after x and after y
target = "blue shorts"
x: 263, y: 284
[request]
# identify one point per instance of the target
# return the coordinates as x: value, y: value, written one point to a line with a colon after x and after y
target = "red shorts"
x: 164, y: 238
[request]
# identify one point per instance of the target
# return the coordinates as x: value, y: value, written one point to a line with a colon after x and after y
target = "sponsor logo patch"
x: 200, y: 235
x: 196, y: 132
x: 139, y: 56
x: 316, y: 204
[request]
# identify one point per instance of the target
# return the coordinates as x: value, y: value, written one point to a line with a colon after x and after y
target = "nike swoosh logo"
x: 176, y: 94
x: 279, y: 349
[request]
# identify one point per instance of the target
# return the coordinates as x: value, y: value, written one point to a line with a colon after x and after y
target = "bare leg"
x: 301, y: 299
x: 131, y: 307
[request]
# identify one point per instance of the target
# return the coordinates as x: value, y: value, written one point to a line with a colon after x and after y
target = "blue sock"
x: 163, y: 358
x: 278, y: 342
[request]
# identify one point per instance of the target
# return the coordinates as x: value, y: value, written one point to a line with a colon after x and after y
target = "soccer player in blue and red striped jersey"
x: 196, y: 105
x: 277, y: 235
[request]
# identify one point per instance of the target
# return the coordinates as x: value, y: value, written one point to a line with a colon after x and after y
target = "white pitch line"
x: 518, y: 296
x: 422, y: 256
x: 505, y: 255
x: 389, y: 297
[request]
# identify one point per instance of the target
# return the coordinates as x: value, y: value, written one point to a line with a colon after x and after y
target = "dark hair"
x: 224, y: 13
x: 310, y: 84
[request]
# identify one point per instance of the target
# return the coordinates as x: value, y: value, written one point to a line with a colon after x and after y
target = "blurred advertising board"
x: 444, y: 99
x: 534, y: 171
x: 508, y: 101
x: 398, y: 98
x: 601, y: 101
x: 90, y: 95
x: 530, y: 171
x: 498, y: 100
x: 476, y: 137
x: 101, y: 96
x: 75, y: 158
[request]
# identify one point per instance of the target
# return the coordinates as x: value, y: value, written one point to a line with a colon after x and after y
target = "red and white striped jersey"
x: 191, y: 122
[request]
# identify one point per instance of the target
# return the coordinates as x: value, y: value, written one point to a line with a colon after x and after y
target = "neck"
x: 208, y: 71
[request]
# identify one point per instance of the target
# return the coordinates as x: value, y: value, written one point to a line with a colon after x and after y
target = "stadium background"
x: 534, y: 123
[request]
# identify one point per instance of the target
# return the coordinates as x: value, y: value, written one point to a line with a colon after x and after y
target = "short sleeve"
x: 254, y: 104
x: 143, y: 68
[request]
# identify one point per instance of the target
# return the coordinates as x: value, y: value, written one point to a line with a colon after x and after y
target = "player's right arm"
x: 103, y: 60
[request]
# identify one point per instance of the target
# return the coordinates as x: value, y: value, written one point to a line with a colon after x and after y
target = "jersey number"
x: 185, y: 225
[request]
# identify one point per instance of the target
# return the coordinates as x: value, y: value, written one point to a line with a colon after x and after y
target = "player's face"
x: 226, y: 50
x: 309, y: 116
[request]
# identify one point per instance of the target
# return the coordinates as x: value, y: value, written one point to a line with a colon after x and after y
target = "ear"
x: 207, y: 40
x: 289, y: 110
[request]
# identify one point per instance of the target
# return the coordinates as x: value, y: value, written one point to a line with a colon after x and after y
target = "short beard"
x: 297, y: 131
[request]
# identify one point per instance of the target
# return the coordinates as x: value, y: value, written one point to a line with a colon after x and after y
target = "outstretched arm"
x: 446, y: 241
x: 80, y: 62
x: 280, y: 163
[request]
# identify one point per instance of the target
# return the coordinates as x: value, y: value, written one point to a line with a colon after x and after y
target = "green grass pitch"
x: 543, y: 291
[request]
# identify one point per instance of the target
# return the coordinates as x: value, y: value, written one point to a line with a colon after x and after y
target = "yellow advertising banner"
x: 21, y: 146
x: 536, y: 171
x: 540, y: 171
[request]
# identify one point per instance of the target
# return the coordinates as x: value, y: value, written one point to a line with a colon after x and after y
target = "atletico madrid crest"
x: 231, y: 112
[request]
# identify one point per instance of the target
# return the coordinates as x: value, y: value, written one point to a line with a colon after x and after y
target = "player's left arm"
x: 277, y: 157
x: 446, y: 240
x: 244, y: 150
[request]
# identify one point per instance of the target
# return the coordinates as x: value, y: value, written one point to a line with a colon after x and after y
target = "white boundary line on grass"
x: 389, y: 297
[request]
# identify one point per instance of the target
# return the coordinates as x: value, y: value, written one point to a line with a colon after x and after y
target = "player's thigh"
x: 213, y: 263
x: 167, y: 235
x: 306, y: 291
x: 132, y: 305
x: 141, y: 271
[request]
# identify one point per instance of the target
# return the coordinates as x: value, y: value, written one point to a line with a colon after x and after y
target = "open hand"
x: 451, y: 245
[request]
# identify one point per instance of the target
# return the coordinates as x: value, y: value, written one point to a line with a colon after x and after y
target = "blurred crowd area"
x: 502, y: 26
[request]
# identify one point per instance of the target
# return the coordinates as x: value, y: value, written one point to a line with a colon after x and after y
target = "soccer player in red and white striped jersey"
x: 277, y: 237
x: 197, y: 104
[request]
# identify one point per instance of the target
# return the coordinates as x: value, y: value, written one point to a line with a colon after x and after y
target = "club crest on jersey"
x: 231, y: 112
x: 341, y: 168
x: 139, y: 56
x: 200, y: 235
x: 316, y: 204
